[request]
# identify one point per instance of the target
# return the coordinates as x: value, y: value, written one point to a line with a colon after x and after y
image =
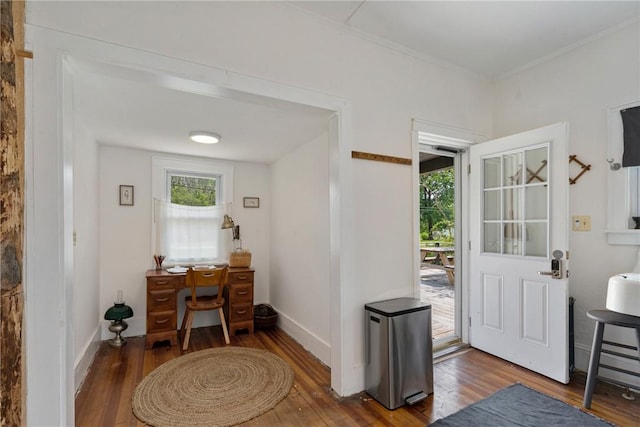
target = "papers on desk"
x: 177, y: 269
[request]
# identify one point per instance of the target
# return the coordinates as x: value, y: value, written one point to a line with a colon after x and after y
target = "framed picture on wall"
x: 251, y: 202
x: 126, y: 195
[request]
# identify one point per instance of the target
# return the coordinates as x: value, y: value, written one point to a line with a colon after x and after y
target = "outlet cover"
x: 581, y: 222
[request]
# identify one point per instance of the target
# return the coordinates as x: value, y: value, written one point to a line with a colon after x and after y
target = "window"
x: 623, y: 184
x: 190, y: 200
x: 192, y: 190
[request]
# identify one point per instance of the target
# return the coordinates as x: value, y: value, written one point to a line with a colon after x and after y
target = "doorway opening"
x: 437, y: 242
x: 438, y: 190
x: 440, y: 147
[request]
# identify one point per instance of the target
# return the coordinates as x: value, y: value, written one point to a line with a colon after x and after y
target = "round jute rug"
x: 216, y: 387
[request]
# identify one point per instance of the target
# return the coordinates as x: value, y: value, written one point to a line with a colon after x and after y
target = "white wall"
x: 86, y: 307
x: 253, y: 180
x: 299, y: 246
x: 578, y: 87
x: 125, y: 231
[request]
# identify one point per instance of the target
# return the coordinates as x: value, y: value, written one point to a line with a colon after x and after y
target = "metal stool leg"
x: 594, y: 362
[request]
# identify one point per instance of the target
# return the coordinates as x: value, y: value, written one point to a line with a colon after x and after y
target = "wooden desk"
x: 162, y: 303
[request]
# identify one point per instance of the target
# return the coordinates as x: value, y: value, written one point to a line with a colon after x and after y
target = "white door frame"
x: 424, y: 134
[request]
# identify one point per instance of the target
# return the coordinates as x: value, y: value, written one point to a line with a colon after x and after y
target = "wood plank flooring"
x: 105, y: 397
x: 436, y: 290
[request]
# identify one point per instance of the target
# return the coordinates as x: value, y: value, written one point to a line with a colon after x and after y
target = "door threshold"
x: 455, y: 349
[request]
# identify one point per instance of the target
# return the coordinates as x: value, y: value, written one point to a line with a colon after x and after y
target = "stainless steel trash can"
x: 399, y: 351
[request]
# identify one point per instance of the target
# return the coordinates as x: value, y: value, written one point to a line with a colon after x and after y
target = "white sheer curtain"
x: 190, y: 234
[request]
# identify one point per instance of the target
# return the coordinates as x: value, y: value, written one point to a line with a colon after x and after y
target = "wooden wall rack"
x: 585, y: 167
x: 380, y: 158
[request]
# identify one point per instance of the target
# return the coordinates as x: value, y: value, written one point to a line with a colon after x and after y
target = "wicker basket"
x: 264, y: 316
x: 240, y: 258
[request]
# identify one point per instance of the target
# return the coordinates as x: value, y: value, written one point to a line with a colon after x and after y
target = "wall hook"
x: 614, y: 166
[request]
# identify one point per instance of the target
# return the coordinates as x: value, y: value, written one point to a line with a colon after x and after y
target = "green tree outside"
x: 193, y: 191
x: 437, y: 210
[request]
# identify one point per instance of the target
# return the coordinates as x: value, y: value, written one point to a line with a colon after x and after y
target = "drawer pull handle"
x: 242, y: 292
x: 208, y: 274
x: 162, y: 299
x: 242, y: 277
x: 160, y: 322
x: 241, y: 311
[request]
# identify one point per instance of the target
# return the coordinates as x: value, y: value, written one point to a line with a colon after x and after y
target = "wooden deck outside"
x: 435, y: 288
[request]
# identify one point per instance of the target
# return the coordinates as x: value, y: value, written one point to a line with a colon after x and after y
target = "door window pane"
x: 491, y: 172
x: 512, y: 169
x: 492, y: 238
x: 537, y: 169
x: 536, y: 239
x: 492, y: 205
x: 512, y: 243
x: 512, y: 204
x: 536, y: 202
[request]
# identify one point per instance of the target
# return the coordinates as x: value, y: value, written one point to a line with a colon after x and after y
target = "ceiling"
x: 135, y: 109
x: 492, y: 39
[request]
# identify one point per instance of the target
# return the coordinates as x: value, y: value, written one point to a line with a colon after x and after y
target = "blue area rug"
x: 518, y: 405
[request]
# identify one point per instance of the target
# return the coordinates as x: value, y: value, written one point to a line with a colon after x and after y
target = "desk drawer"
x: 241, y: 277
x: 240, y: 312
x: 241, y: 293
x: 162, y: 321
x: 162, y: 282
x: 161, y: 299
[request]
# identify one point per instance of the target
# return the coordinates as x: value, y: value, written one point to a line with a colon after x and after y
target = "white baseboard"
x: 85, y: 359
x: 583, y: 353
x: 308, y: 340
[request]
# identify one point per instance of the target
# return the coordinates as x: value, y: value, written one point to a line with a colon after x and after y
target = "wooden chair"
x: 197, y: 278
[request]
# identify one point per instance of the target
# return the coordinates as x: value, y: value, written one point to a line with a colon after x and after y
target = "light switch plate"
x: 581, y: 222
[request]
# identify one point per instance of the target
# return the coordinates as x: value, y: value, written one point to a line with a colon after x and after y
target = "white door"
x: 518, y: 226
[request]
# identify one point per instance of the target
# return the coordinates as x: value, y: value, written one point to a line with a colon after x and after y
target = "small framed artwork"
x: 126, y: 195
x: 251, y: 202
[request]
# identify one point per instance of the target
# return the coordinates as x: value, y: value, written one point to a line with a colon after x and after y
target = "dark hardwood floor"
x: 459, y: 380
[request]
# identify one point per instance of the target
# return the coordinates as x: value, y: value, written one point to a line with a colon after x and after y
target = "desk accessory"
x: 116, y: 315
x: 158, y: 260
x: 240, y: 258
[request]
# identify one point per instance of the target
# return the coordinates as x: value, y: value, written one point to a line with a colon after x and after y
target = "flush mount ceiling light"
x: 204, y: 137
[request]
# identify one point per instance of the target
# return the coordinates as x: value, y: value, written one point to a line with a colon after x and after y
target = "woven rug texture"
x: 518, y: 405
x: 221, y: 386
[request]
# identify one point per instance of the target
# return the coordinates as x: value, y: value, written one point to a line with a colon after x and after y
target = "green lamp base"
x: 117, y: 327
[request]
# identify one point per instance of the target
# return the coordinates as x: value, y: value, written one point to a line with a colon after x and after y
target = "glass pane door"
x: 516, y: 203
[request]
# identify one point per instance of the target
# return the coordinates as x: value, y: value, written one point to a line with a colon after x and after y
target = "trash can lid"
x: 397, y: 306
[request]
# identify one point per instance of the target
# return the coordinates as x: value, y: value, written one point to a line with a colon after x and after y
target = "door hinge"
x: 469, y: 169
x: 469, y: 321
x: 469, y: 244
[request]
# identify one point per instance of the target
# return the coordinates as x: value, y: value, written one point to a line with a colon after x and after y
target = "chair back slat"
x: 197, y: 278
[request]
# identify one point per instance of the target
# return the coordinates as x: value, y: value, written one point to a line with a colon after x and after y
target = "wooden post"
x: 11, y: 214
